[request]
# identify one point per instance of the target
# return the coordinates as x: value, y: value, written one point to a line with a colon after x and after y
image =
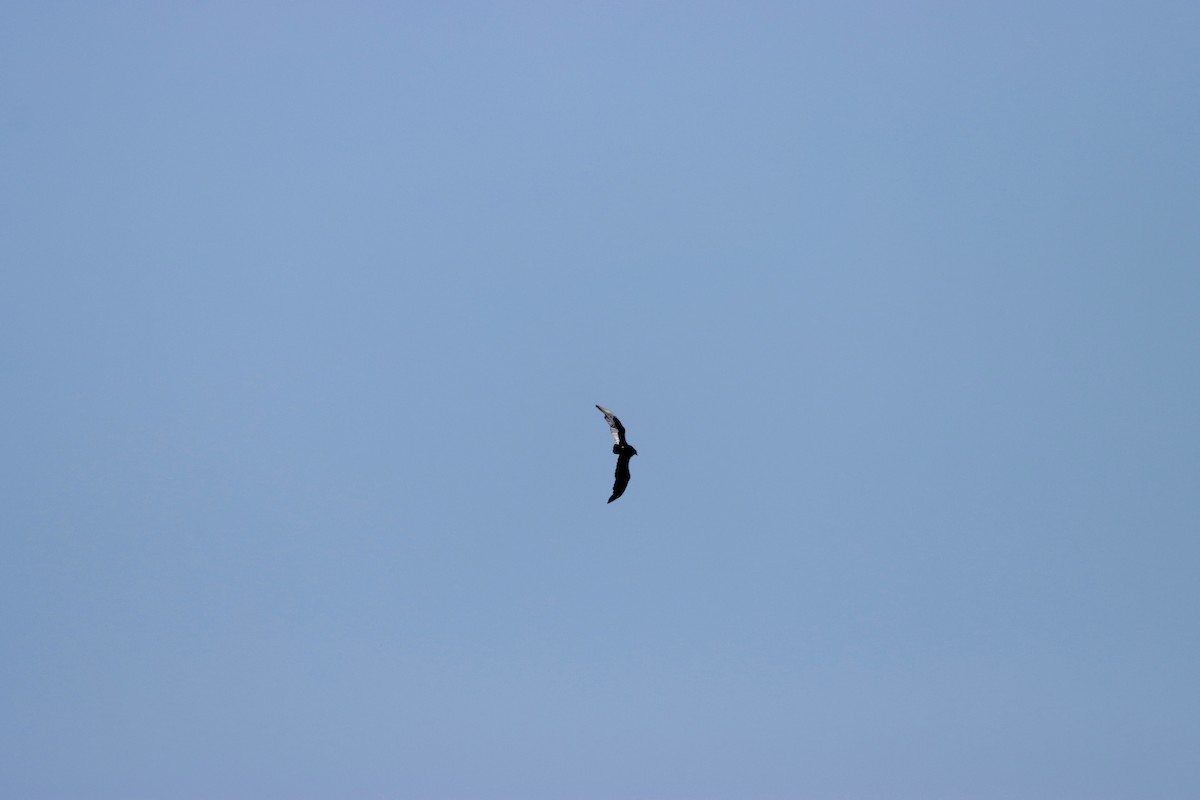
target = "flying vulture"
x: 623, y: 449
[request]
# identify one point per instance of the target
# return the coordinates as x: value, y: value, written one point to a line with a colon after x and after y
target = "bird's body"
x: 622, y: 449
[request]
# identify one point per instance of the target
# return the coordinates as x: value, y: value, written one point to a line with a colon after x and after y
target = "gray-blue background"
x: 305, y: 307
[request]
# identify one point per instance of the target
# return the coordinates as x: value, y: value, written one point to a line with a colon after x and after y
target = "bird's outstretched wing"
x: 623, y: 450
x: 618, y: 434
x: 622, y: 477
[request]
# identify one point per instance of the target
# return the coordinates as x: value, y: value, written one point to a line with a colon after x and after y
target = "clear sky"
x: 305, y: 308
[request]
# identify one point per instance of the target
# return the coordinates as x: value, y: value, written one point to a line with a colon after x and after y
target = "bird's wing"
x: 614, y: 425
x: 622, y: 477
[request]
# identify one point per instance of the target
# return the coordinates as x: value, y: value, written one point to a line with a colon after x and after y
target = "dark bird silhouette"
x: 623, y: 449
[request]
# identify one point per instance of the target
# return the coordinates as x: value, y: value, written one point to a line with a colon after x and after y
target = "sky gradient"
x: 305, y: 308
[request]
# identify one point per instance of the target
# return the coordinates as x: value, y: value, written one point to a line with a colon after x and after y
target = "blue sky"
x: 305, y: 309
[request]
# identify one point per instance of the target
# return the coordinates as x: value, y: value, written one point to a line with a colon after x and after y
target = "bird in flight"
x: 623, y: 450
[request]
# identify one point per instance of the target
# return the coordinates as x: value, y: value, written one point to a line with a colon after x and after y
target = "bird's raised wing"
x: 614, y: 425
x: 622, y: 476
